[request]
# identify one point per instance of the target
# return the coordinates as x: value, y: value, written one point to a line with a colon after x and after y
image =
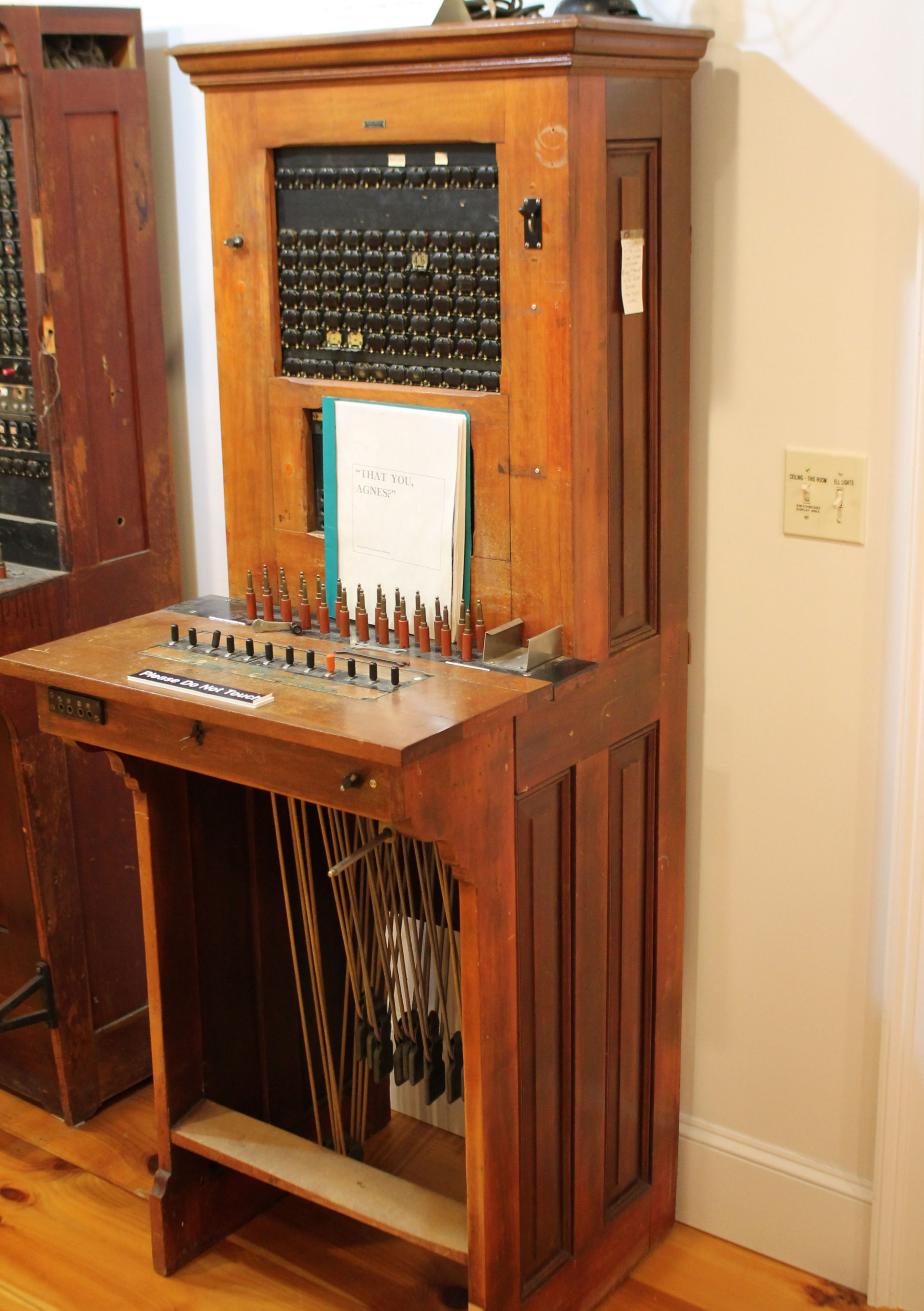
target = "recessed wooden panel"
x: 544, y: 893
x: 104, y: 845
x: 631, y: 187
x: 629, y: 974
x: 112, y: 446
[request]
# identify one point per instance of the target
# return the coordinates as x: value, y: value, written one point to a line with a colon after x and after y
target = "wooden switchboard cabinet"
x: 491, y: 217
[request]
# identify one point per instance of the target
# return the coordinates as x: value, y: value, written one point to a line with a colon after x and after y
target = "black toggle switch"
x: 248, y: 647
x: 290, y: 655
x: 309, y: 659
x: 351, y: 668
x: 174, y: 634
x: 268, y: 652
x: 216, y: 639
x: 373, y: 673
x: 395, y: 675
x: 229, y: 644
x: 193, y: 637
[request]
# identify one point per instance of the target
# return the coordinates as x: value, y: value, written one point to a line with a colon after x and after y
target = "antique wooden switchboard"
x: 87, y: 530
x: 390, y: 844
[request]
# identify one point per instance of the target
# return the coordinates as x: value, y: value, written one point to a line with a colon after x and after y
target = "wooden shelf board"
x: 303, y: 1168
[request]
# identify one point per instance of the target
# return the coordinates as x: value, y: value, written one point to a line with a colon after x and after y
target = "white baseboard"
x: 774, y: 1201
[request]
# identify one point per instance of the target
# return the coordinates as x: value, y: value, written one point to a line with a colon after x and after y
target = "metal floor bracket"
x: 40, y: 986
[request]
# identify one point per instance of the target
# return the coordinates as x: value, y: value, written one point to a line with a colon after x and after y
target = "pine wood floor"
x: 74, y: 1237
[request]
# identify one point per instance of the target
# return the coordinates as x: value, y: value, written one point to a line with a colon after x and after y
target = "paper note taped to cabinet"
x: 632, y: 242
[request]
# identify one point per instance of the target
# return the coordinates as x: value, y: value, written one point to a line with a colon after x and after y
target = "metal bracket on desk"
x: 39, y: 985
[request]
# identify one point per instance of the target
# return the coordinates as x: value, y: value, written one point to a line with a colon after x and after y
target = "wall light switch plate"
x: 825, y: 495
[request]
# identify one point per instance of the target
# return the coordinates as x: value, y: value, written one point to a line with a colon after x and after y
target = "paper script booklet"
x: 396, y: 501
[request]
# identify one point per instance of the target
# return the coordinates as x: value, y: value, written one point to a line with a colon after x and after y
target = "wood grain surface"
x: 75, y: 1236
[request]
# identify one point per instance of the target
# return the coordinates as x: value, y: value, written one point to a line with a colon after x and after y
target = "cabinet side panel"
x: 544, y: 883
x: 107, y: 869
x: 113, y: 451
x: 26, y: 1063
x: 629, y: 976
x: 631, y: 197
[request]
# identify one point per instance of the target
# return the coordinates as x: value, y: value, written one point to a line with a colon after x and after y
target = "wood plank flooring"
x: 74, y: 1237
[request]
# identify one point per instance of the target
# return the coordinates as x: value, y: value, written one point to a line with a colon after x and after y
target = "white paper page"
x: 397, y: 479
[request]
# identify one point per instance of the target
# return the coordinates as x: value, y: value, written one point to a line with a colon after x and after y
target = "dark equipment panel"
x: 389, y: 265
x: 28, y: 531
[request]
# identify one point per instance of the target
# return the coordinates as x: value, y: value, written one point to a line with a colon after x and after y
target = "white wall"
x: 807, y: 150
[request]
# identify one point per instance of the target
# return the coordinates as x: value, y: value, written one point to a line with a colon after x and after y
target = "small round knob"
x: 235, y: 242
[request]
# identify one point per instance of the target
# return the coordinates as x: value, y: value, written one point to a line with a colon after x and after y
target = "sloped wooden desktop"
x: 560, y: 808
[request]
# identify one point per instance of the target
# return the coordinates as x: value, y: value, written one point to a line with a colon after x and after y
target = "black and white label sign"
x: 197, y: 687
